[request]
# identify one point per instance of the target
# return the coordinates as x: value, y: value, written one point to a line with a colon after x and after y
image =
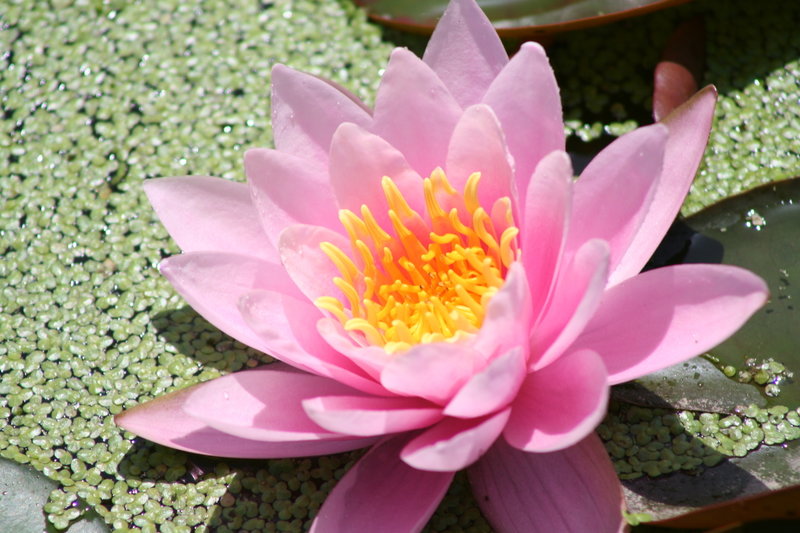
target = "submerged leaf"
x: 679, y: 73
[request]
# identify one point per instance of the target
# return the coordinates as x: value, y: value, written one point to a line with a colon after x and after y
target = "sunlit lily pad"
x: 23, y: 494
x: 768, y: 469
x: 697, y: 385
x: 515, y: 18
x: 760, y: 230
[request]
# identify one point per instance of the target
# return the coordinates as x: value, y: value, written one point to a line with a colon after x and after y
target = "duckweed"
x: 655, y: 442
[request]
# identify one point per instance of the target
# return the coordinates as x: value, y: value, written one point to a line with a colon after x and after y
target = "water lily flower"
x: 438, y: 288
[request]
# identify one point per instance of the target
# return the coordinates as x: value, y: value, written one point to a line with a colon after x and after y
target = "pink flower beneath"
x: 439, y: 288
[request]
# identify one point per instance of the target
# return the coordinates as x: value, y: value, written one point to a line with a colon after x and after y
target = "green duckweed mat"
x: 98, y: 96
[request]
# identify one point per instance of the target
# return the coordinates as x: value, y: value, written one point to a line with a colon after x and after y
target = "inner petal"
x: 430, y: 276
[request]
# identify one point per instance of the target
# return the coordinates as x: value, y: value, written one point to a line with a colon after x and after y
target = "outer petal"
x: 560, y: 404
x: 525, y: 98
x: 445, y: 366
x: 574, y: 301
x: 164, y: 421
x: 415, y: 112
x: 465, y: 51
x: 262, y: 404
x: 614, y: 193
x: 492, y: 388
x: 569, y: 491
x: 381, y: 493
x: 209, y: 215
x: 665, y: 316
x: 306, y: 263
x: 285, y: 326
x: 307, y: 110
x: 548, y: 203
x: 478, y: 145
x: 289, y: 190
x: 368, y: 416
x: 212, y: 283
x: 359, y: 161
x: 689, y: 126
x: 453, y: 443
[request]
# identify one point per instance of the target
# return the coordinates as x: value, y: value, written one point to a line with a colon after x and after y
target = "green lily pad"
x: 769, y: 468
x: 760, y: 230
x: 23, y: 494
x: 696, y: 385
x: 757, y: 230
x: 514, y: 17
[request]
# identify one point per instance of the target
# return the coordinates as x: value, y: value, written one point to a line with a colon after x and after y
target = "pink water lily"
x: 440, y: 289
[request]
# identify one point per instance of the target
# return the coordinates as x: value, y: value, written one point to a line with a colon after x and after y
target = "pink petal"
x: 548, y: 203
x: 453, y: 443
x: 382, y: 494
x: 205, y: 214
x: 525, y: 98
x: 465, y: 51
x: 569, y: 491
x: 507, y: 322
x: 574, y: 301
x: 478, y: 145
x: 306, y: 111
x: 614, y: 193
x: 689, y: 126
x: 212, y: 283
x: 306, y: 263
x: 665, y: 316
x: 368, y: 416
x: 415, y: 112
x: 264, y: 403
x: 492, y: 388
x: 369, y: 358
x: 289, y: 190
x: 359, y: 161
x: 165, y: 422
x: 560, y: 404
x: 286, y: 327
x: 445, y: 367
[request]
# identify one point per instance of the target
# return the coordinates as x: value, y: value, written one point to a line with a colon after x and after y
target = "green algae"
x: 99, y: 95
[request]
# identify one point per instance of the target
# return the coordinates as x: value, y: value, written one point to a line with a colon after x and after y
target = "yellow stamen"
x: 471, y: 192
x: 430, y: 280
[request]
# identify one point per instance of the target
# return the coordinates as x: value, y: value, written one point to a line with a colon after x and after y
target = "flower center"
x: 431, y: 280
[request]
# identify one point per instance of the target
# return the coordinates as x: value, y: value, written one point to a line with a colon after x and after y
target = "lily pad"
x: 23, y: 494
x: 757, y: 230
x: 760, y: 230
x: 736, y: 480
x: 515, y: 18
x: 696, y: 385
